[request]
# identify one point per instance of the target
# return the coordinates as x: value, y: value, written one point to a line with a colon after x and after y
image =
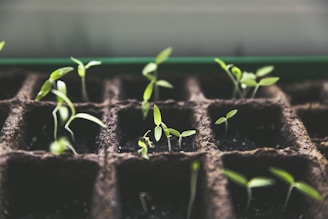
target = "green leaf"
x: 66, y: 99
x: 249, y: 82
x: 76, y: 61
x: 91, y: 118
x: 163, y: 55
x: 57, y: 74
x: 174, y: 132
x: 163, y: 83
x: 157, y: 116
x: 260, y: 182
x: 63, y: 114
x: 92, y: 63
x: 157, y: 133
x: 81, y: 71
x: 150, y: 67
x: 148, y: 91
x: 145, y: 108
x: 268, y: 81
x: 248, y: 75
x: 188, y: 133
x: 231, y: 113
x: 45, y: 89
x: 235, y: 177
x: 283, y: 175
x: 167, y: 132
x: 141, y: 143
x: 61, y: 87
x: 144, y: 153
x: 2, y: 44
x: 221, y: 63
x: 236, y: 72
x: 57, y: 147
x: 308, y: 190
x: 220, y: 120
x: 264, y: 71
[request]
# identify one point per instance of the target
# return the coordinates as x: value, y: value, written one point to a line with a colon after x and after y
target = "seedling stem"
x: 193, y: 186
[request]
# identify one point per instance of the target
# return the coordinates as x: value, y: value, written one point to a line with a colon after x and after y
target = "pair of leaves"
x: 299, y: 185
x: 81, y: 69
x: 182, y: 134
x: 2, y: 44
x: 263, y: 82
x: 229, y: 115
x: 144, y: 143
x: 152, y: 66
x: 157, y: 122
x: 243, y: 181
x: 47, y: 85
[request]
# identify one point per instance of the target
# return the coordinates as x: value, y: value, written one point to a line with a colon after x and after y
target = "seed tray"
x: 105, y: 179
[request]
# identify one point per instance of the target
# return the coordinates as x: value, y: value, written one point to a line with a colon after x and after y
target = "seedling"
x: 144, y: 143
x: 303, y: 187
x: 143, y: 197
x: 151, y: 73
x: 61, y: 145
x: 75, y: 115
x: 241, y: 180
x: 193, y: 185
x: 242, y: 81
x: 181, y: 135
x: 81, y: 70
x: 50, y: 82
x: 2, y: 44
x: 160, y: 127
x: 224, y: 120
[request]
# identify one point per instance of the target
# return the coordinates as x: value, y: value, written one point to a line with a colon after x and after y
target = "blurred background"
x: 109, y: 28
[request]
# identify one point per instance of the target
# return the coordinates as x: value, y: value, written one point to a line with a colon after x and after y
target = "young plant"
x: 181, y: 135
x: 81, y: 70
x: 144, y: 143
x: 303, y: 187
x: 50, y: 82
x: 241, y: 180
x: 75, y: 115
x: 60, y: 145
x: 143, y: 197
x: 193, y: 186
x: 224, y: 119
x: 2, y: 44
x: 160, y: 127
x: 151, y: 73
x: 263, y: 82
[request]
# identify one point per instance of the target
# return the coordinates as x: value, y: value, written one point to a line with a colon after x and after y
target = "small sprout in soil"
x: 144, y: 143
x: 61, y: 145
x: 81, y: 70
x: 224, y: 120
x: 243, y: 81
x: 75, y: 115
x: 151, y: 73
x: 248, y: 184
x: 50, y: 82
x: 144, y: 197
x: 193, y: 186
x: 303, y: 187
x: 2, y: 44
x: 181, y: 135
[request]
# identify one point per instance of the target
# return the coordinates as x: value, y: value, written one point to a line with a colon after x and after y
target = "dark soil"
x: 10, y: 84
x: 165, y: 181
x: 51, y: 188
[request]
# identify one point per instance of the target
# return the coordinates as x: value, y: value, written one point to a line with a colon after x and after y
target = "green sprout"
x: 61, y: 145
x: 151, y: 73
x: 144, y: 143
x: 243, y: 81
x: 2, y: 44
x: 81, y: 70
x: 248, y: 184
x: 224, y: 119
x: 143, y: 197
x: 181, y: 135
x: 303, y: 187
x: 50, y: 82
x: 193, y: 185
x: 75, y: 115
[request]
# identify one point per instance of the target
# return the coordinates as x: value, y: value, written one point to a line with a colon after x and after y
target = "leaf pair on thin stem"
x: 151, y: 73
x: 243, y: 81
